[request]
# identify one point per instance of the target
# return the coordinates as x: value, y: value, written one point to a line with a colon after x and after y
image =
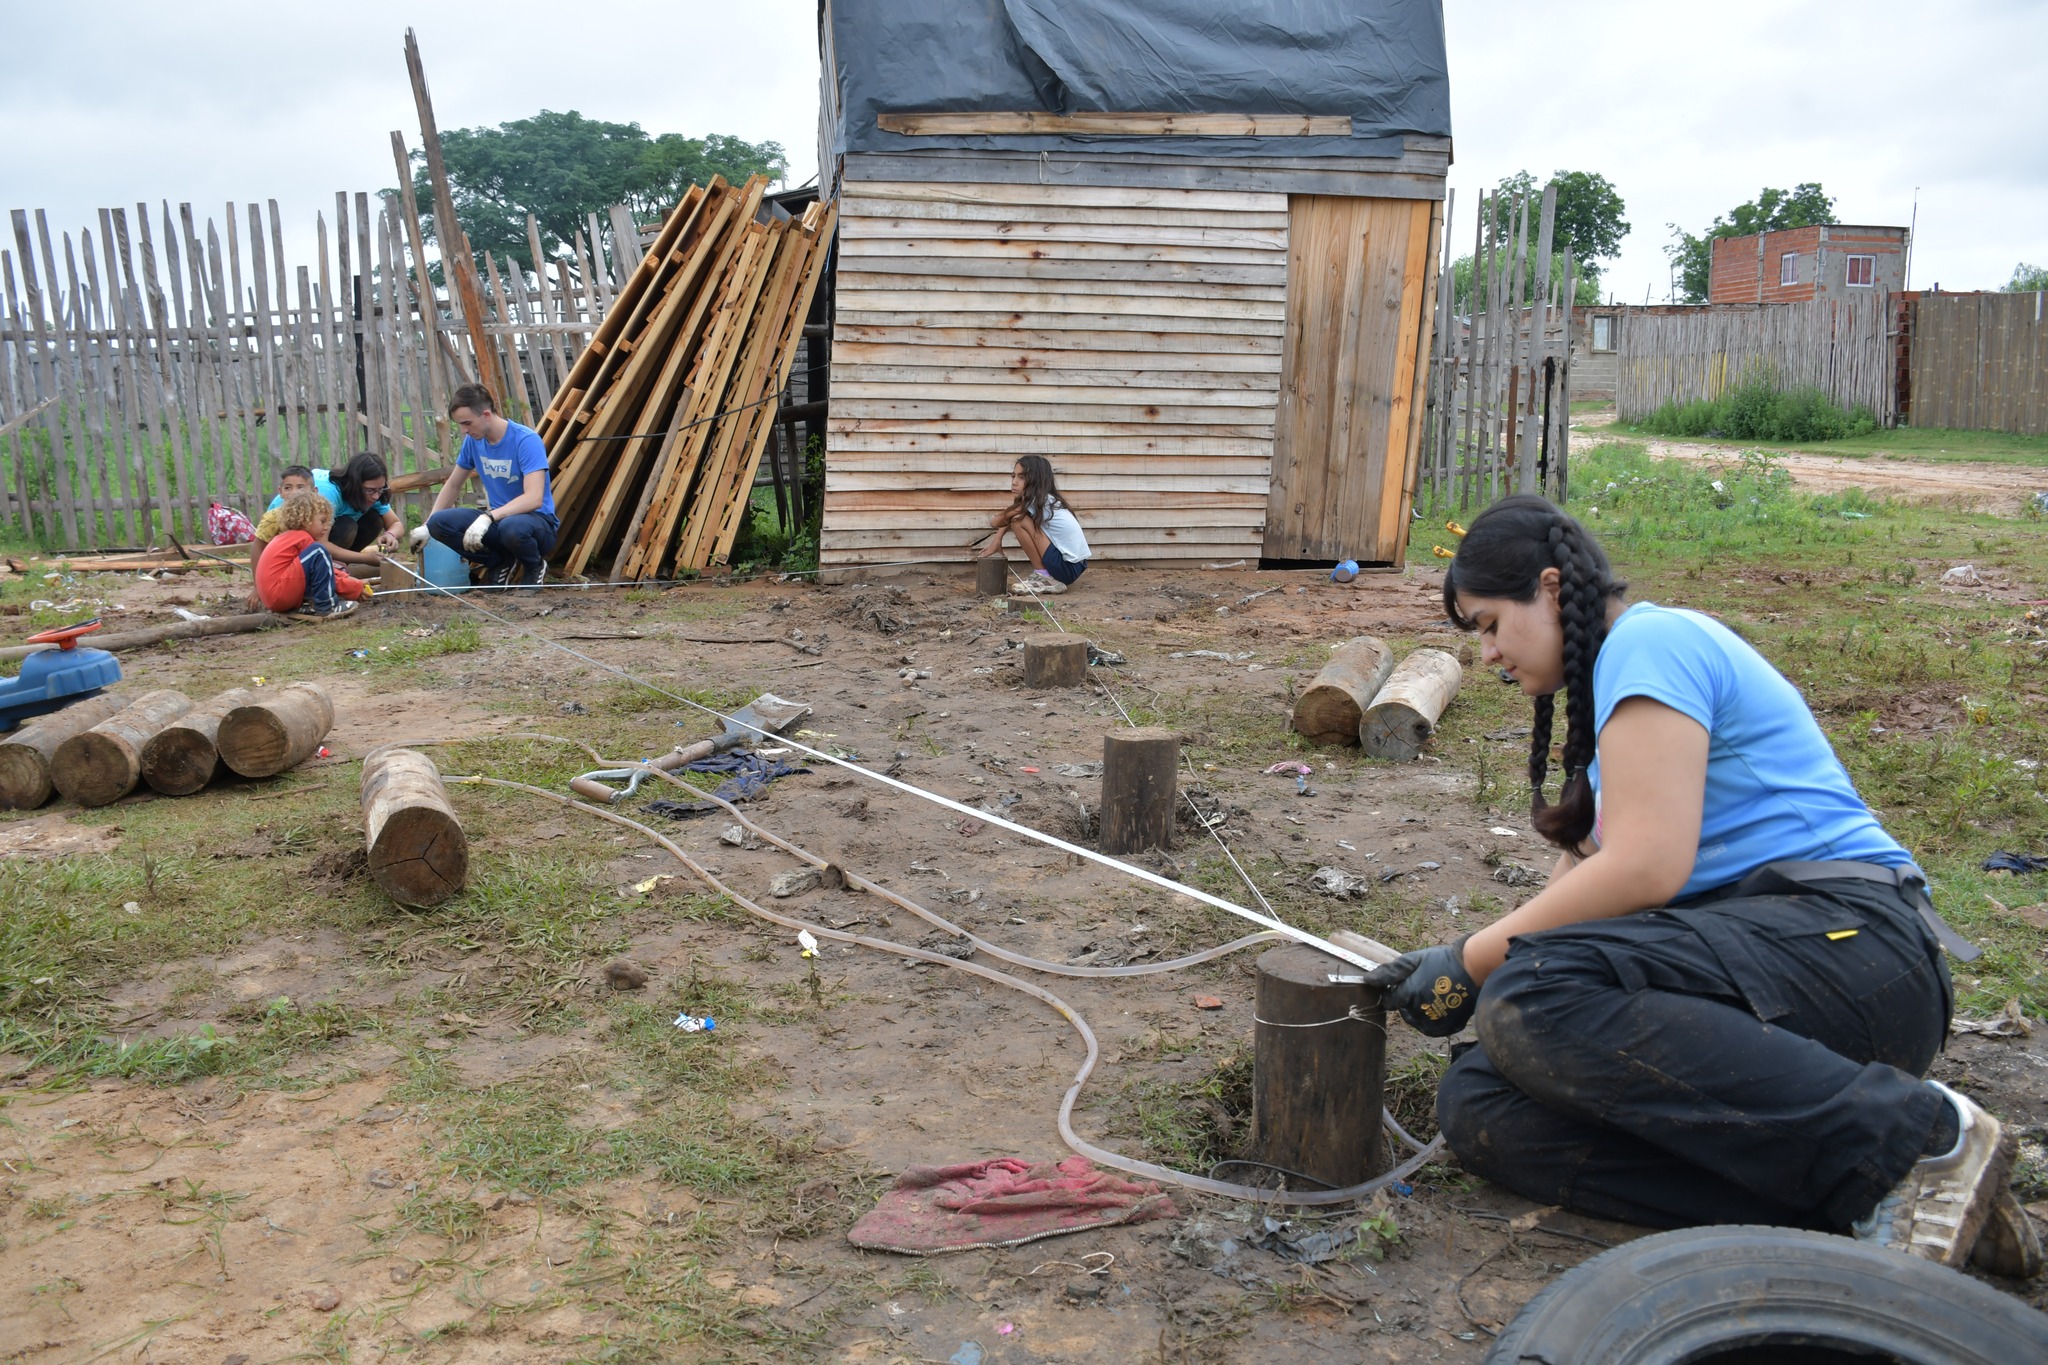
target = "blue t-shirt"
x: 1775, y: 789
x: 503, y: 466
x: 323, y: 484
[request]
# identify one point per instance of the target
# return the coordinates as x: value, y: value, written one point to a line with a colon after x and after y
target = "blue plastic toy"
x: 52, y: 679
x: 1345, y: 571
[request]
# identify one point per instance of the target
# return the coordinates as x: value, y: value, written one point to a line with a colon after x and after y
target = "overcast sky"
x: 1688, y: 110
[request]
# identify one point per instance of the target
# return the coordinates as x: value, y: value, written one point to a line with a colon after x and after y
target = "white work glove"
x: 417, y: 539
x: 473, y: 538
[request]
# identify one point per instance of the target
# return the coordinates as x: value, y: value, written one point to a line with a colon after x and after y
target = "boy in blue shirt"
x: 513, y: 538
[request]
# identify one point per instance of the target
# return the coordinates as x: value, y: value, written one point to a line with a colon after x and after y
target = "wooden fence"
x: 1499, y: 403
x: 1843, y: 347
x: 164, y: 369
x: 1980, y: 362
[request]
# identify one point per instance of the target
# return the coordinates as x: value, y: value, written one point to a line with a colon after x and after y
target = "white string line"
x: 1267, y: 920
x: 1200, y: 818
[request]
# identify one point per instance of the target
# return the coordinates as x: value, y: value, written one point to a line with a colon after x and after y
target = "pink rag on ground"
x: 1002, y: 1203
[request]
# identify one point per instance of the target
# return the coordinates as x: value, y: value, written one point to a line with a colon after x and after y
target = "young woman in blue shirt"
x: 1721, y: 1007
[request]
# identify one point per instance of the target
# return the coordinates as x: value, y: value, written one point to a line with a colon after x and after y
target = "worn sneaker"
x: 1938, y: 1210
x: 335, y: 613
x: 1041, y: 582
x: 2010, y: 1245
x: 523, y: 577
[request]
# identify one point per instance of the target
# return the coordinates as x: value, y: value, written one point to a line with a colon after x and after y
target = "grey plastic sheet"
x: 1382, y: 62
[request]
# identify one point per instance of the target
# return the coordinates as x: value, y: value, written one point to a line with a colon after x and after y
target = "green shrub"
x: 1758, y: 410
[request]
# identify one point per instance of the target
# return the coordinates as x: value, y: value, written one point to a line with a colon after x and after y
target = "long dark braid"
x: 1504, y: 555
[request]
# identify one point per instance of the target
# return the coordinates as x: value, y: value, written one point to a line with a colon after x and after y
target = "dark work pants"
x: 525, y: 539
x: 356, y: 533
x: 1722, y: 1062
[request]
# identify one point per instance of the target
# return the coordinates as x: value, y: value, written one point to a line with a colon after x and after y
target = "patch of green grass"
x: 1928, y: 445
x: 399, y: 646
x: 1758, y: 410
x: 1191, y: 1124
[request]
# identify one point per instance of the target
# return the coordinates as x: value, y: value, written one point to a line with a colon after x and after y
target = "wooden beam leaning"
x: 1025, y: 121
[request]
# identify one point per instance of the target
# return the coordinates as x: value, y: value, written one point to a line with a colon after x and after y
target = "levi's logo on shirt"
x: 497, y: 469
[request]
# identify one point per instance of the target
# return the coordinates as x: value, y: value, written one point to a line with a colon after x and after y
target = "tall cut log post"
x: 1319, y: 1067
x: 1403, y: 715
x: 1139, y: 770
x: 992, y: 576
x: 183, y: 757
x: 1055, y: 663
x: 25, y: 755
x: 1330, y: 707
x: 418, y: 853
x: 275, y: 731
x: 103, y: 764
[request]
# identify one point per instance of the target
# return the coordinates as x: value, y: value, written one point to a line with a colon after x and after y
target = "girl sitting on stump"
x: 1043, y: 526
x: 1721, y: 1007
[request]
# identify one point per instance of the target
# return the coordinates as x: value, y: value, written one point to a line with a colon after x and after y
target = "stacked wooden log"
x: 1361, y: 697
x: 99, y: 750
x: 654, y: 438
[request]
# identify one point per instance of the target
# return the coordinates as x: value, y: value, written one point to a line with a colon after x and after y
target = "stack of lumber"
x: 654, y: 438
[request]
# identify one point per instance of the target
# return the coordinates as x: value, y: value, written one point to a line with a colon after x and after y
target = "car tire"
x: 1751, y: 1295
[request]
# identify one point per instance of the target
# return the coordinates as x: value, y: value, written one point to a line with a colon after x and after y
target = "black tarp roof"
x: 1382, y: 62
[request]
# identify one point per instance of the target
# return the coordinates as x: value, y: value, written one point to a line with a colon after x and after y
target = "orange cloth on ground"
x: 281, y: 580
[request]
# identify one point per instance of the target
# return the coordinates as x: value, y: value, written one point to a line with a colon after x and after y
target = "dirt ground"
x: 216, y: 1221
x: 1999, y: 489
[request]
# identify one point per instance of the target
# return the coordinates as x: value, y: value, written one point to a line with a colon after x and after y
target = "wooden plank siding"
x: 1345, y: 446
x: 1980, y: 362
x: 1132, y: 336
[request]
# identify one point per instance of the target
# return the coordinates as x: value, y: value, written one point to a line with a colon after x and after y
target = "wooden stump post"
x: 276, y: 730
x: 1317, y: 1090
x: 992, y: 576
x: 103, y: 764
x: 25, y: 755
x: 1139, y: 782
x: 182, y: 757
x: 1402, y: 716
x: 418, y: 852
x: 1058, y: 662
x: 1330, y: 707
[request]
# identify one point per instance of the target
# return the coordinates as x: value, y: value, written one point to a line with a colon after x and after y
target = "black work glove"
x: 1430, y: 988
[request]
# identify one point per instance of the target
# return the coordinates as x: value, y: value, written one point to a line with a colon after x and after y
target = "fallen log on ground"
x: 184, y: 756
x: 417, y: 850
x: 1330, y: 708
x: 100, y: 766
x: 1402, y: 716
x: 277, y: 730
x: 25, y: 754
x: 156, y: 635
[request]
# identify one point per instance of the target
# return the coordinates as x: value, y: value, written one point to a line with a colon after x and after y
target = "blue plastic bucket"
x: 1345, y: 571
x: 443, y: 567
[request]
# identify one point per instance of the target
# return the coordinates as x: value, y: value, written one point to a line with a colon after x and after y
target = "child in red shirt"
x: 295, y: 574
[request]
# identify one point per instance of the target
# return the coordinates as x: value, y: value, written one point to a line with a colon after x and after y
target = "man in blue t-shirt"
x: 511, y: 540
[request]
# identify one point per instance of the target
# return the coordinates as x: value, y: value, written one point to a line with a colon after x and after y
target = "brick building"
x: 1831, y: 261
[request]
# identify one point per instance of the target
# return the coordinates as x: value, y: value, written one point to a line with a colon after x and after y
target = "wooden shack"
x: 1184, y: 251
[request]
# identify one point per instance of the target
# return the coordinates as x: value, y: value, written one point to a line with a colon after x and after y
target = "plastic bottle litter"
x: 690, y: 1023
x: 1346, y: 570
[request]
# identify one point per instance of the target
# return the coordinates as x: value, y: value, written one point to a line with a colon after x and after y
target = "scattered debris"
x: 1511, y: 873
x: 1211, y: 654
x: 1301, y: 768
x: 2010, y: 1022
x: 1289, y: 1243
x: 795, y: 882
x: 1344, y: 886
x: 1208, y: 1002
x: 690, y: 1023
x: 2015, y: 862
x: 1078, y: 770
x: 1962, y: 576
x: 323, y: 1300
x: 1104, y: 658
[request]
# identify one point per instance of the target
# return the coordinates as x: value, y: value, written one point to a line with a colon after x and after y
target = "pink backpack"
x: 226, y: 526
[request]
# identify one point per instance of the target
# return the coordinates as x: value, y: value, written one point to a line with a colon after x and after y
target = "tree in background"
x: 1804, y: 205
x: 563, y: 167
x: 1588, y: 221
x: 2027, y: 278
